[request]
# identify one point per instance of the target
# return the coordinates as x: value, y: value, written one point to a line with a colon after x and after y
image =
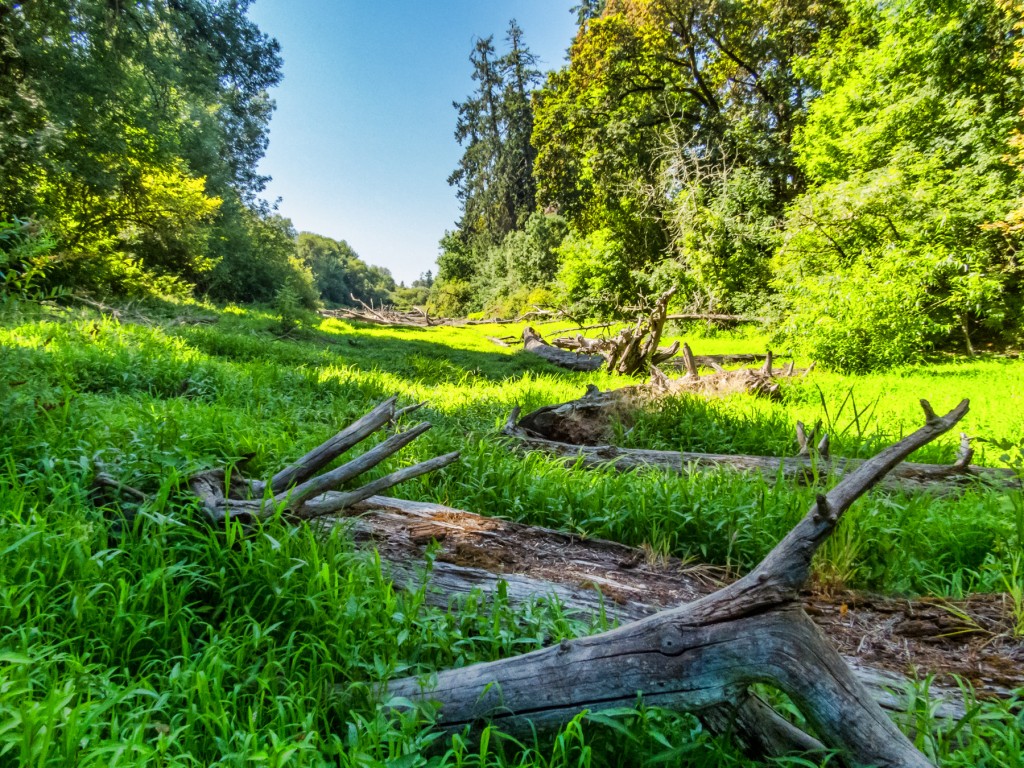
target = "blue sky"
x: 361, y: 144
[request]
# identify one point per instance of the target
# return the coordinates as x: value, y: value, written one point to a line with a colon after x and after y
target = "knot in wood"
x: 671, y: 642
x: 822, y: 509
x: 564, y: 646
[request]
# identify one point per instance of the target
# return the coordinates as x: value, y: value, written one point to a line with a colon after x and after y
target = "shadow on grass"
x: 416, y: 359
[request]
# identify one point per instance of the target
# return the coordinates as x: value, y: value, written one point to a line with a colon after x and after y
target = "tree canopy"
x: 826, y: 164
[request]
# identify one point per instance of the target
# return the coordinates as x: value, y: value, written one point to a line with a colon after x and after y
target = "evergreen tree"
x: 494, y: 179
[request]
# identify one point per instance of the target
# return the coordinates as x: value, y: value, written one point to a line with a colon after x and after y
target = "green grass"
x: 131, y: 642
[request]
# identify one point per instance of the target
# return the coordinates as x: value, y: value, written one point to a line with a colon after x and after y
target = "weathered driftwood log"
x: 576, y: 431
x: 379, y: 317
x: 717, y: 362
x: 298, y: 490
x: 534, y: 343
x: 593, y: 418
x: 711, y: 318
x: 883, y: 639
x: 706, y: 653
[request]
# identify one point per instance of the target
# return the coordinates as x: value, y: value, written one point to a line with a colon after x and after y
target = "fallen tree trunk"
x: 633, y: 351
x: 716, y: 318
x: 706, y: 653
x: 593, y: 418
x: 593, y: 577
x: 378, y: 318
x: 716, y: 362
x: 884, y: 639
x: 535, y: 345
x: 570, y: 431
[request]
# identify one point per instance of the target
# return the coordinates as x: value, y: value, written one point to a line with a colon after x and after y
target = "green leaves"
x: 127, y: 125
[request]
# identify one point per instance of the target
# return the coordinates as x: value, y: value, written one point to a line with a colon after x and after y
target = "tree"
x: 1014, y: 10
x: 494, y: 179
x: 341, y: 277
x: 717, y: 77
x: 906, y: 149
x: 127, y: 125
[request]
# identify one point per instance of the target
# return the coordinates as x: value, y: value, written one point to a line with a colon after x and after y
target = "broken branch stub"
x: 305, y: 494
x: 706, y: 653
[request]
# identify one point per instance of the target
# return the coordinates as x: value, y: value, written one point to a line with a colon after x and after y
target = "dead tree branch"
x: 577, y: 432
x: 706, y: 653
x: 300, y: 491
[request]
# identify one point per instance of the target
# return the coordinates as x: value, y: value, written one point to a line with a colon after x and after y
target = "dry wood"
x: 716, y: 362
x: 634, y: 349
x: 534, y: 343
x: 883, y: 639
x: 592, y: 419
x: 716, y: 318
x: 574, y: 431
x: 300, y: 491
x: 706, y: 653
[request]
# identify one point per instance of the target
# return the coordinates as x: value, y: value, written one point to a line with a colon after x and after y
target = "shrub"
x: 450, y: 298
x: 593, y: 273
x: 26, y: 253
x: 870, y: 316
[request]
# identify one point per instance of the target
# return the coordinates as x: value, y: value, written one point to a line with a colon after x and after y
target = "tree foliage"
x: 648, y: 77
x: 497, y: 249
x: 340, y: 276
x: 132, y: 131
x: 494, y: 180
x: 905, y: 172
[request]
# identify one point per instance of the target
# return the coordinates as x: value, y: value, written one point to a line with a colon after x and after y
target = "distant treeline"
x: 850, y: 169
x: 130, y: 135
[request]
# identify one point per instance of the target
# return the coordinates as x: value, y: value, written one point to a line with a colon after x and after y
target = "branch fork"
x: 300, y: 491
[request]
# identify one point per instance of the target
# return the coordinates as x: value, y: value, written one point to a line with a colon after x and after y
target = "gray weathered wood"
x: 804, y: 468
x: 257, y: 500
x: 535, y: 345
x: 705, y: 653
x: 593, y: 577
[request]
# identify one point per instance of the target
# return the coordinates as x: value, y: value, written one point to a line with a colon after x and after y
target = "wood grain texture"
x: 706, y: 653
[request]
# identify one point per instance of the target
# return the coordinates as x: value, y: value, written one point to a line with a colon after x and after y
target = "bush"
x: 26, y: 253
x: 865, y: 318
x: 450, y: 298
x: 594, y: 275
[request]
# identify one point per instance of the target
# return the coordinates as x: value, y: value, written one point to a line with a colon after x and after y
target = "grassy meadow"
x: 148, y: 641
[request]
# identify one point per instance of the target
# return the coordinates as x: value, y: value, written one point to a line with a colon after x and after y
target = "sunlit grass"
x: 137, y: 643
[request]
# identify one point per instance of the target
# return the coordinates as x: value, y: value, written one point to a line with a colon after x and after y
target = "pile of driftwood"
x: 634, y: 351
x: 383, y: 314
x: 761, y: 381
x: 692, y: 641
x: 579, y: 430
